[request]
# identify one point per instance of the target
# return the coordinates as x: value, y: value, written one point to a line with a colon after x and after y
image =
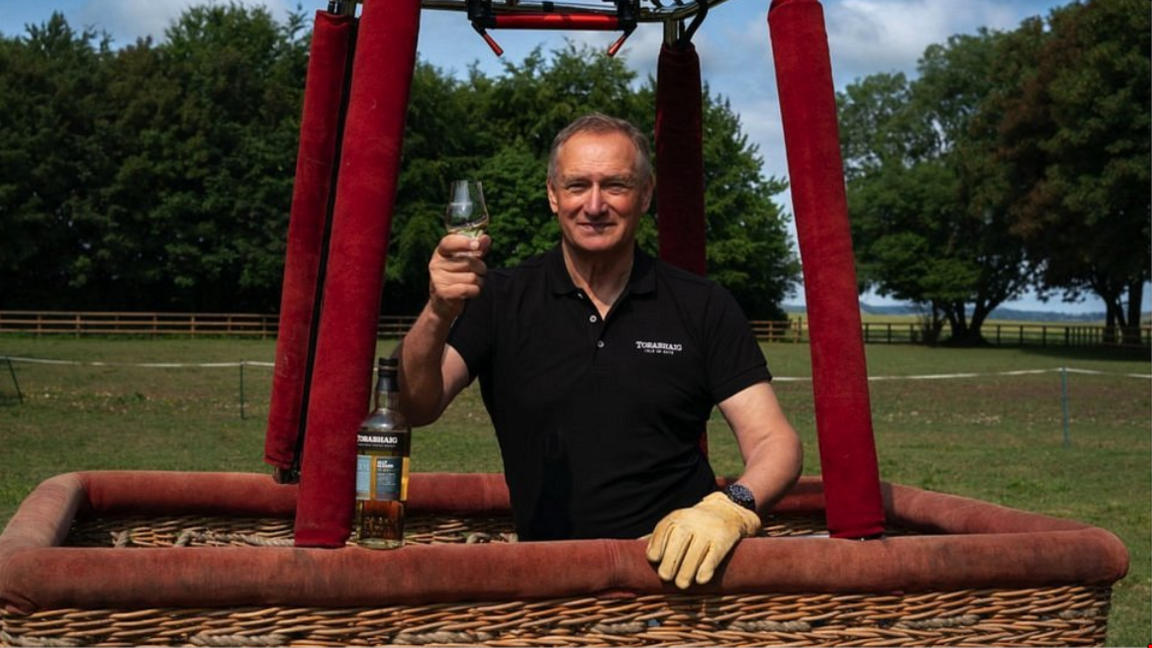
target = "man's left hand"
x: 690, y: 543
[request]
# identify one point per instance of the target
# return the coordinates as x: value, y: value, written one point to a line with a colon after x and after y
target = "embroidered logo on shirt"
x: 665, y: 348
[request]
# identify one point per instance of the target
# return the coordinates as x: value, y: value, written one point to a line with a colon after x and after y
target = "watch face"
x: 741, y: 495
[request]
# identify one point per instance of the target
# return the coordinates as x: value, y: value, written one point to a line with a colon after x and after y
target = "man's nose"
x: 595, y: 205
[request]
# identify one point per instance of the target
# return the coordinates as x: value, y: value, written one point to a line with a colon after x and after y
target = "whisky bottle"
x: 383, y: 443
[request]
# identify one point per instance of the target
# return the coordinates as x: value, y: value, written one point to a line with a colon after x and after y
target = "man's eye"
x: 618, y: 188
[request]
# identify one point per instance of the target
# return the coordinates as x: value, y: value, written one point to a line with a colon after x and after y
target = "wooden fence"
x: 141, y: 324
x: 1017, y: 334
x: 80, y: 324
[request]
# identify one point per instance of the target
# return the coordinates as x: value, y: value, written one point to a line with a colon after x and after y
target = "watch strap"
x: 740, y: 495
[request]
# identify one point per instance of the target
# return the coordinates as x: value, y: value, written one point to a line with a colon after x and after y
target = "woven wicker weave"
x: 952, y: 572
x: 1058, y: 616
x: 1065, y: 616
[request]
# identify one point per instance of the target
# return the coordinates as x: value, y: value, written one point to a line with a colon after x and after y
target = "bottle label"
x: 388, y: 477
x: 397, y: 443
x: 381, y: 478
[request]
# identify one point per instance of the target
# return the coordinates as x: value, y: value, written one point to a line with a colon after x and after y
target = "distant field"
x: 995, y: 437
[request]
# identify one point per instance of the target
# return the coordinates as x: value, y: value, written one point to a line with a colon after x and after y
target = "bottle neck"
x: 387, y: 391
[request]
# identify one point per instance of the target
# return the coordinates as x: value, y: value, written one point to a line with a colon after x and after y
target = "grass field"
x: 995, y: 437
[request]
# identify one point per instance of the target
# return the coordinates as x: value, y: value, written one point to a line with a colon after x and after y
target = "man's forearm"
x: 771, y: 469
x: 773, y: 455
x: 421, y: 367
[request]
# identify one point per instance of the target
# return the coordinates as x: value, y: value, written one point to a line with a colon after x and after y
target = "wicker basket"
x: 159, y: 558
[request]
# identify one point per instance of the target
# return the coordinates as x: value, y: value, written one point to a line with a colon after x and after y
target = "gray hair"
x: 599, y: 123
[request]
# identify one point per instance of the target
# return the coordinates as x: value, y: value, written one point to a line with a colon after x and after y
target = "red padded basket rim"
x: 966, y: 544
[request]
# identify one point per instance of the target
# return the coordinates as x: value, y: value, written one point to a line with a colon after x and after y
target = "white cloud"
x: 869, y: 36
x: 127, y: 20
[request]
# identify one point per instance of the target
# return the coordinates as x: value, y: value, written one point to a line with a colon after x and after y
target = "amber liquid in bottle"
x: 383, y: 443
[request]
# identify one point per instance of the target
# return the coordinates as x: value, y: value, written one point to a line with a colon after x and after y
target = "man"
x: 600, y: 366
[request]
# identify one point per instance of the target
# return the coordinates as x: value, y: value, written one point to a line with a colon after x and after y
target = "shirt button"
x: 592, y: 319
x: 599, y: 344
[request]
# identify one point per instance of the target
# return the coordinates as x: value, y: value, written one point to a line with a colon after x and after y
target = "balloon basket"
x: 167, y: 558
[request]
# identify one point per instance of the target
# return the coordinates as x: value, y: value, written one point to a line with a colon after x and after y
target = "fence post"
x: 1064, y: 405
x: 16, y: 383
x: 242, y: 417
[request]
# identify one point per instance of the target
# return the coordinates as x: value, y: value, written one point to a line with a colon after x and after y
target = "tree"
x: 917, y: 231
x: 159, y: 176
x: 1075, y: 137
x: 748, y: 247
x: 222, y: 148
x: 437, y: 149
x: 51, y: 122
x: 155, y: 176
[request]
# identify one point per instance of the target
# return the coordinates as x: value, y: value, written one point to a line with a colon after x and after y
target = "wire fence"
x: 242, y: 386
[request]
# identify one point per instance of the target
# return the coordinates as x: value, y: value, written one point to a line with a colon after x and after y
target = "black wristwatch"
x: 740, y: 495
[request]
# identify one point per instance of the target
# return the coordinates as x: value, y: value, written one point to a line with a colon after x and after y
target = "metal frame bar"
x: 648, y: 11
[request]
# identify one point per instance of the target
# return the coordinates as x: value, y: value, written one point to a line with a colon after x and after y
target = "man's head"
x: 599, y: 123
x: 600, y: 185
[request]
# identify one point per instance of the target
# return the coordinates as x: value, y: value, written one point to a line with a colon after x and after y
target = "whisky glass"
x: 466, y: 213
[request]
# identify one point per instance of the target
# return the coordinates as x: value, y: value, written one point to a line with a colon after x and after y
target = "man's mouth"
x: 599, y: 228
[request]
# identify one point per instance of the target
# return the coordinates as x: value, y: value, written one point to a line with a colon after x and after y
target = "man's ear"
x: 651, y: 190
x: 553, y: 199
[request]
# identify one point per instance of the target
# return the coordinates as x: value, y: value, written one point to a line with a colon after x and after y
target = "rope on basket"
x: 16, y: 640
x: 441, y: 638
x: 189, y: 536
x: 771, y: 626
x: 239, y: 640
x: 945, y: 622
x: 479, y: 537
x: 122, y: 539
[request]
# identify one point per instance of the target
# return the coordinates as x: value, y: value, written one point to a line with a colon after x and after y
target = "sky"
x: 865, y: 37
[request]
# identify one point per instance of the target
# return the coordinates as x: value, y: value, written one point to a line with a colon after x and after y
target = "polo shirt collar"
x: 641, y: 281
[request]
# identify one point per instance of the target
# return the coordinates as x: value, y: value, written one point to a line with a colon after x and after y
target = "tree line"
x: 1014, y: 160
x: 159, y: 176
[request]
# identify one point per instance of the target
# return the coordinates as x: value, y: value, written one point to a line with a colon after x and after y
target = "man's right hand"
x: 456, y: 273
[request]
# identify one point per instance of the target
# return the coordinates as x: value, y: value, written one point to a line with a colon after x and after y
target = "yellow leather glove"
x: 689, y: 543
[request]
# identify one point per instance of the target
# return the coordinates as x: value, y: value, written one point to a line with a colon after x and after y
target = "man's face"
x: 596, y: 195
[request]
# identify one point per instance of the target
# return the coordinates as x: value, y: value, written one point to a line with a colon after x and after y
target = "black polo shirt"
x: 599, y: 420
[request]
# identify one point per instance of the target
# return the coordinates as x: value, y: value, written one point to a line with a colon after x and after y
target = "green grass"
x: 997, y: 438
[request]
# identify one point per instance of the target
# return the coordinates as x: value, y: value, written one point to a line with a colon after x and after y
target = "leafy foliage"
x: 159, y: 176
x: 1015, y: 159
x: 1076, y: 142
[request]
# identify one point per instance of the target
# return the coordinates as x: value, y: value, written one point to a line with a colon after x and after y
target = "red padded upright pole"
x: 679, y: 129
x: 853, y: 503
x: 365, y: 195
x: 680, y: 155
x: 311, y: 193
